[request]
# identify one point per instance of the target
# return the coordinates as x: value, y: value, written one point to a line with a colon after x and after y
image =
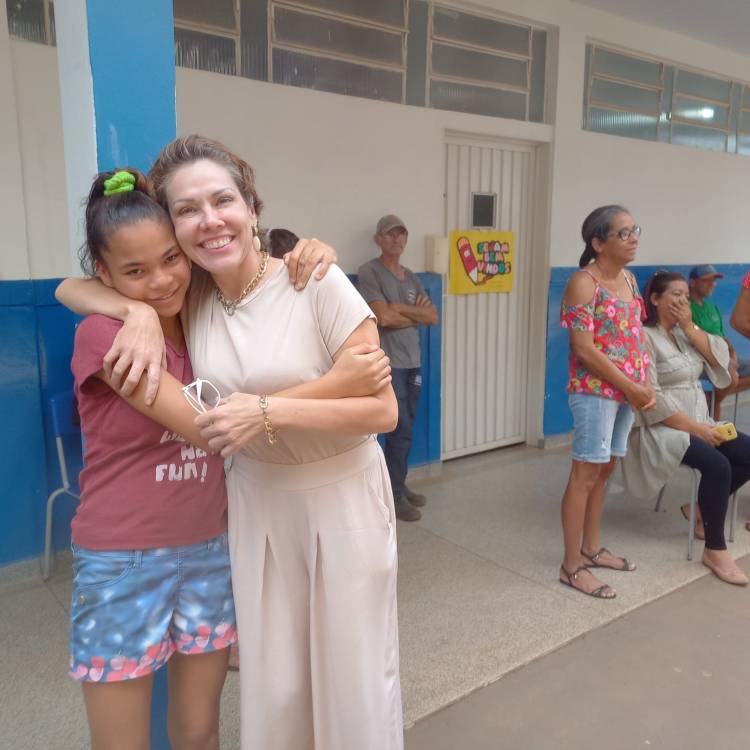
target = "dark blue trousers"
x: 406, y: 384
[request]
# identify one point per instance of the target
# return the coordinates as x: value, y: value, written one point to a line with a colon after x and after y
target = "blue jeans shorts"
x: 600, y: 427
x: 132, y: 609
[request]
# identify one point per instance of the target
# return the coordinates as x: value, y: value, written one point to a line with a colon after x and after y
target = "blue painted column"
x: 117, y: 86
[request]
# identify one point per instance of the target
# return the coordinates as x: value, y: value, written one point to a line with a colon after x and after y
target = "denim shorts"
x: 600, y: 427
x: 132, y: 609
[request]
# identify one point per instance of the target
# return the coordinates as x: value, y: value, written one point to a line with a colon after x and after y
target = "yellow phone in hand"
x: 726, y: 431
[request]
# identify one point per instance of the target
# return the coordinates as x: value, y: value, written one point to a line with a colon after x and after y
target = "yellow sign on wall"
x: 481, y: 261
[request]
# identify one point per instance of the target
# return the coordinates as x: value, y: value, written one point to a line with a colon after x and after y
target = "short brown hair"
x: 191, y: 148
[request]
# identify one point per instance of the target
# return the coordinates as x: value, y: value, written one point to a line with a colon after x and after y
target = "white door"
x: 486, y: 336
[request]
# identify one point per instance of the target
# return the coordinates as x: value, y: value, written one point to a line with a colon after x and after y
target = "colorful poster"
x: 481, y: 261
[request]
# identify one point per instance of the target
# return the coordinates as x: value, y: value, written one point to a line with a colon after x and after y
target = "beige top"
x: 655, y: 450
x: 277, y: 338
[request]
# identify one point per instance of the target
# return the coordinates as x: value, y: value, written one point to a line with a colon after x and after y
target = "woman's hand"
x: 706, y: 432
x: 233, y: 424
x: 682, y: 313
x: 138, y: 346
x: 640, y: 397
x: 306, y: 255
x: 361, y: 370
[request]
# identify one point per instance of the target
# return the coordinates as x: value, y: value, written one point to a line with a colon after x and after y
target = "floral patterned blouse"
x: 618, y: 333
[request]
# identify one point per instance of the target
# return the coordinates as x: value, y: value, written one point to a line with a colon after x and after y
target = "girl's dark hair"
x: 280, y: 241
x: 191, y: 148
x: 657, y: 285
x: 597, y: 224
x: 106, y: 214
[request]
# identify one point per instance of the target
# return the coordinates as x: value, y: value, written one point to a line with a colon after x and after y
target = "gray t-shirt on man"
x: 376, y: 282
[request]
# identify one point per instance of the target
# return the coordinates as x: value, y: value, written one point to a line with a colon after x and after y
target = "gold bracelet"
x: 270, y: 431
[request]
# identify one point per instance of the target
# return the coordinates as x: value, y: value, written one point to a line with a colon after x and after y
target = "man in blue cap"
x: 706, y: 315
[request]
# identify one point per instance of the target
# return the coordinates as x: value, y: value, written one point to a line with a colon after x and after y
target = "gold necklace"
x: 230, y: 305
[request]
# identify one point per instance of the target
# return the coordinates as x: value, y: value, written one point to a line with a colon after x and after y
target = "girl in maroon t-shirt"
x: 152, y: 579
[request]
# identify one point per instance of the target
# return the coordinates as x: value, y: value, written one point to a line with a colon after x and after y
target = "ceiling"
x: 724, y: 23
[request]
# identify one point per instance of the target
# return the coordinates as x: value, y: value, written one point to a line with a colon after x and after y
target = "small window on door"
x: 483, y: 210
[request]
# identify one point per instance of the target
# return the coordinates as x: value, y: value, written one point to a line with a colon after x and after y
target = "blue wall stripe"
x: 35, y: 353
x: 557, y: 418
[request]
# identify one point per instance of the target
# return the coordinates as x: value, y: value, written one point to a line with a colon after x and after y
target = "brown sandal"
x: 598, y: 593
x: 593, y: 561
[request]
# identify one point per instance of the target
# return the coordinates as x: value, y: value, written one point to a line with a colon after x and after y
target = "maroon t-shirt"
x: 142, y: 486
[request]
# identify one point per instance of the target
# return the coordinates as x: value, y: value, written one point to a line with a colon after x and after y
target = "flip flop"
x: 686, y: 516
x: 593, y: 561
x: 597, y: 593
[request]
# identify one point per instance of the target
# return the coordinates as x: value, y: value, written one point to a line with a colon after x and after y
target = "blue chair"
x: 61, y: 410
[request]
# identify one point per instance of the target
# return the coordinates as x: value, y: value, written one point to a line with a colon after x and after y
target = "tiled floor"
x: 478, y: 593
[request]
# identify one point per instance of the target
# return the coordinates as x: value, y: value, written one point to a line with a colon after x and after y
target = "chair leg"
x: 660, y: 498
x: 733, y: 518
x: 46, y: 564
x: 693, y: 504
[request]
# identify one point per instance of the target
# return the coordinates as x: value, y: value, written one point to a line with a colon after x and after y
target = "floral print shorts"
x: 132, y: 609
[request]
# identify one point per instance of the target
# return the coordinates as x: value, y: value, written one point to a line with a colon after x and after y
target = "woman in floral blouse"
x: 602, y: 309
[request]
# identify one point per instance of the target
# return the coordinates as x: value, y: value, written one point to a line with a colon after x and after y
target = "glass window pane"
x: 628, y: 124
x: 706, y: 112
x: 692, y: 135
x: 204, y: 52
x: 218, y: 13
x: 392, y: 12
x: 745, y: 121
x: 477, y: 100
x: 746, y: 96
x: 484, y: 32
x: 622, y: 95
x: 464, y: 63
x: 337, y: 36
x: 743, y: 145
x: 339, y: 77
x: 630, y: 68
x: 26, y: 20
x: 538, y: 71
x: 702, y: 86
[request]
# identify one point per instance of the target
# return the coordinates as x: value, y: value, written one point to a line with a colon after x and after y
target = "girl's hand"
x: 306, y: 255
x: 706, y: 432
x: 138, y: 346
x: 361, y: 370
x: 233, y: 424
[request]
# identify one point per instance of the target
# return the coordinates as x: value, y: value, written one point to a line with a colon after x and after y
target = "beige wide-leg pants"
x: 313, y: 550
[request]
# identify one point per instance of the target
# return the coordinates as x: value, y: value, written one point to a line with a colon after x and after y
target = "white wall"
x: 42, y: 158
x: 330, y: 165
x: 14, y: 258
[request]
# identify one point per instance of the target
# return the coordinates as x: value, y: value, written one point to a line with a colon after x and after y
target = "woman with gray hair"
x: 608, y: 378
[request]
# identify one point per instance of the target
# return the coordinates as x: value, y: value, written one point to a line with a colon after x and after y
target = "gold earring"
x: 256, y: 239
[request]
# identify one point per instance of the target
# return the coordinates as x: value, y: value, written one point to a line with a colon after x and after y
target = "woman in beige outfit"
x: 311, y: 518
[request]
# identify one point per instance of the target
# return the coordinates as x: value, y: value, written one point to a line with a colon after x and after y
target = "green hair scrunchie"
x: 119, y: 182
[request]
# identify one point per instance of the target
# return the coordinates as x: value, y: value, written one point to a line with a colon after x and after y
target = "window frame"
x: 303, y: 49
x: 528, y: 58
x: 201, y: 27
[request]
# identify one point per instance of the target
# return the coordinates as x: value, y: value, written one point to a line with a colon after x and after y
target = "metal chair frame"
x: 61, y: 410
